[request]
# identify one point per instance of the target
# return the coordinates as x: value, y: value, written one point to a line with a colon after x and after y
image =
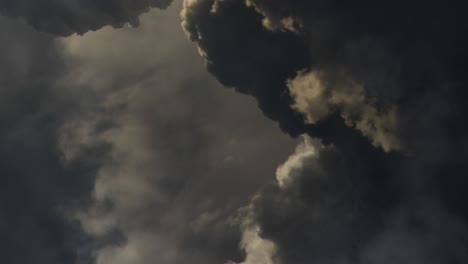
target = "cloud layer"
x: 65, y: 17
x: 38, y: 187
x: 117, y: 146
x: 382, y: 85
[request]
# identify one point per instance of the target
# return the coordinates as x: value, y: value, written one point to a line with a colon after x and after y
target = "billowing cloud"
x: 257, y: 249
x: 65, y: 17
x: 389, y: 68
x: 382, y: 85
x: 318, y: 212
x: 318, y: 100
x: 118, y: 147
x: 257, y: 63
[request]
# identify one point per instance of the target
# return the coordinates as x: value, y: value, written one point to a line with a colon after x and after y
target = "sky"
x: 233, y: 132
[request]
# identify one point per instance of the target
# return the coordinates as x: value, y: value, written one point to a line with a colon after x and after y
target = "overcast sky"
x: 233, y: 132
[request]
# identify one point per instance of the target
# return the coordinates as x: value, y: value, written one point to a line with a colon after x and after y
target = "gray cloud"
x: 37, y: 186
x: 317, y: 212
x: 318, y: 100
x: 186, y: 154
x: 257, y: 64
x: 65, y: 17
x: 128, y: 153
x: 119, y: 148
x: 362, y: 73
x: 392, y: 64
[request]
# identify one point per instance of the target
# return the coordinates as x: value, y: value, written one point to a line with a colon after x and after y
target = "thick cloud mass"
x: 65, y: 17
x: 117, y: 147
x: 257, y: 63
x: 396, y: 56
x: 383, y: 85
x: 315, y: 213
x: 378, y: 63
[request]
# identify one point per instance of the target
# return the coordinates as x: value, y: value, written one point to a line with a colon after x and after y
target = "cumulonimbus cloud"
x: 383, y: 85
x: 397, y: 57
x: 380, y: 87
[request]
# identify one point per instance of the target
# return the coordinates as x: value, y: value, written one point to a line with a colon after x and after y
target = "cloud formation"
x: 117, y: 147
x: 122, y: 153
x: 257, y: 64
x: 318, y: 212
x: 37, y: 186
x: 318, y: 100
x: 382, y: 86
x: 65, y: 17
x: 388, y: 67
x: 186, y: 154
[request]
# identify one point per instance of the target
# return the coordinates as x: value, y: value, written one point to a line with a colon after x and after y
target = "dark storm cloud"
x: 376, y: 62
x: 316, y: 213
x: 400, y: 55
x: 241, y: 54
x: 65, y: 17
x: 384, y: 83
x: 37, y: 185
x: 117, y: 150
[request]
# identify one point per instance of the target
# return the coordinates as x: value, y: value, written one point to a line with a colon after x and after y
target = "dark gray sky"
x: 233, y: 132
